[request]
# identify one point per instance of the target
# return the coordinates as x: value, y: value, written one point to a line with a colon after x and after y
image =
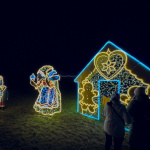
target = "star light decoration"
x: 109, y: 66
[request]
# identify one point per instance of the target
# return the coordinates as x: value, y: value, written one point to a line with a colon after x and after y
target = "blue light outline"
x: 99, y: 100
x: 78, y: 98
x: 109, y: 42
x: 127, y: 129
x: 89, y: 116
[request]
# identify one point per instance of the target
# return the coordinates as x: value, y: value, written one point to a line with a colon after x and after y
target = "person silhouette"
x: 116, y: 116
x: 139, y: 110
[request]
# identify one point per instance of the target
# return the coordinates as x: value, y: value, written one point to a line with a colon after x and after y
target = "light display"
x: 49, y: 99
x: 111, y: 69
x: 88, y: 94
x: 2, y: 89
x: 106, y: 64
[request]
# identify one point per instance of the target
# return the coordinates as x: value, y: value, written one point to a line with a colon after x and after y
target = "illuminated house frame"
x: 122, y: 72
x: 48, y: 101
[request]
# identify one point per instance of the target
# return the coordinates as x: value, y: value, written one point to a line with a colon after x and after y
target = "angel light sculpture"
x: 48, y: 101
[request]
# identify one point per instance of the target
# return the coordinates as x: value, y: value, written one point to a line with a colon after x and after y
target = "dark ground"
x: 21, y: 128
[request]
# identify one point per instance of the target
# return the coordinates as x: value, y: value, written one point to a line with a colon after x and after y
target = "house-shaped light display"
x: 111, y: 69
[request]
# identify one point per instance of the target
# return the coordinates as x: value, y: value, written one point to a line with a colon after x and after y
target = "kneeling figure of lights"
x: 49, y: 98
x: 2, y: 91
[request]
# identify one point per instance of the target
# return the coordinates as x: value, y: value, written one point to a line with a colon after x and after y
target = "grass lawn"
x: 21, y: 128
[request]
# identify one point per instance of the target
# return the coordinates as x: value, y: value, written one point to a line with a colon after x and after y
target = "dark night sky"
x: 67, y: 35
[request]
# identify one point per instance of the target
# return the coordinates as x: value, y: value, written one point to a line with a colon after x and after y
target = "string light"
x: 68, y: 76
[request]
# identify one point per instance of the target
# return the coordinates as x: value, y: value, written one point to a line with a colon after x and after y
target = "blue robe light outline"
x: 49, y: 97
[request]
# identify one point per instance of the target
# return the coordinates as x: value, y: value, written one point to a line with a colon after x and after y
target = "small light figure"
x: 88, y: 94
x: 2, y: 90
x: 106, y: 98
x: 49, y: 98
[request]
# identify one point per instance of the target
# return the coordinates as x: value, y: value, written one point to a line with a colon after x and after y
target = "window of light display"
x: 108, y: 65
x: 2, y: 89
x: 48, y: 101
x: 108, y: 86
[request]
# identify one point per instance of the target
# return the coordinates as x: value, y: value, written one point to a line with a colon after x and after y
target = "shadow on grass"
x: 21, y: 128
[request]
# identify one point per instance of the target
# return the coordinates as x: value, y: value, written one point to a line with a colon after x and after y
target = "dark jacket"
x: 139, y: 110
x: 113, y: 125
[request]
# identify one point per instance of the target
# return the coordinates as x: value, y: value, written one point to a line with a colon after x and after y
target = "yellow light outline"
x: 58, y: 94
x: 115, y: 74
x: 81, y: 90
x: 127, y: 95
x: 108, y: 54
x: 3, y: 88
x: 108, y: 66
x: 141, y: 80
x: 94, y: 76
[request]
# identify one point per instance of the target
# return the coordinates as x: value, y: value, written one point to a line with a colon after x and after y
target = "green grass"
x: 21, y: 128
